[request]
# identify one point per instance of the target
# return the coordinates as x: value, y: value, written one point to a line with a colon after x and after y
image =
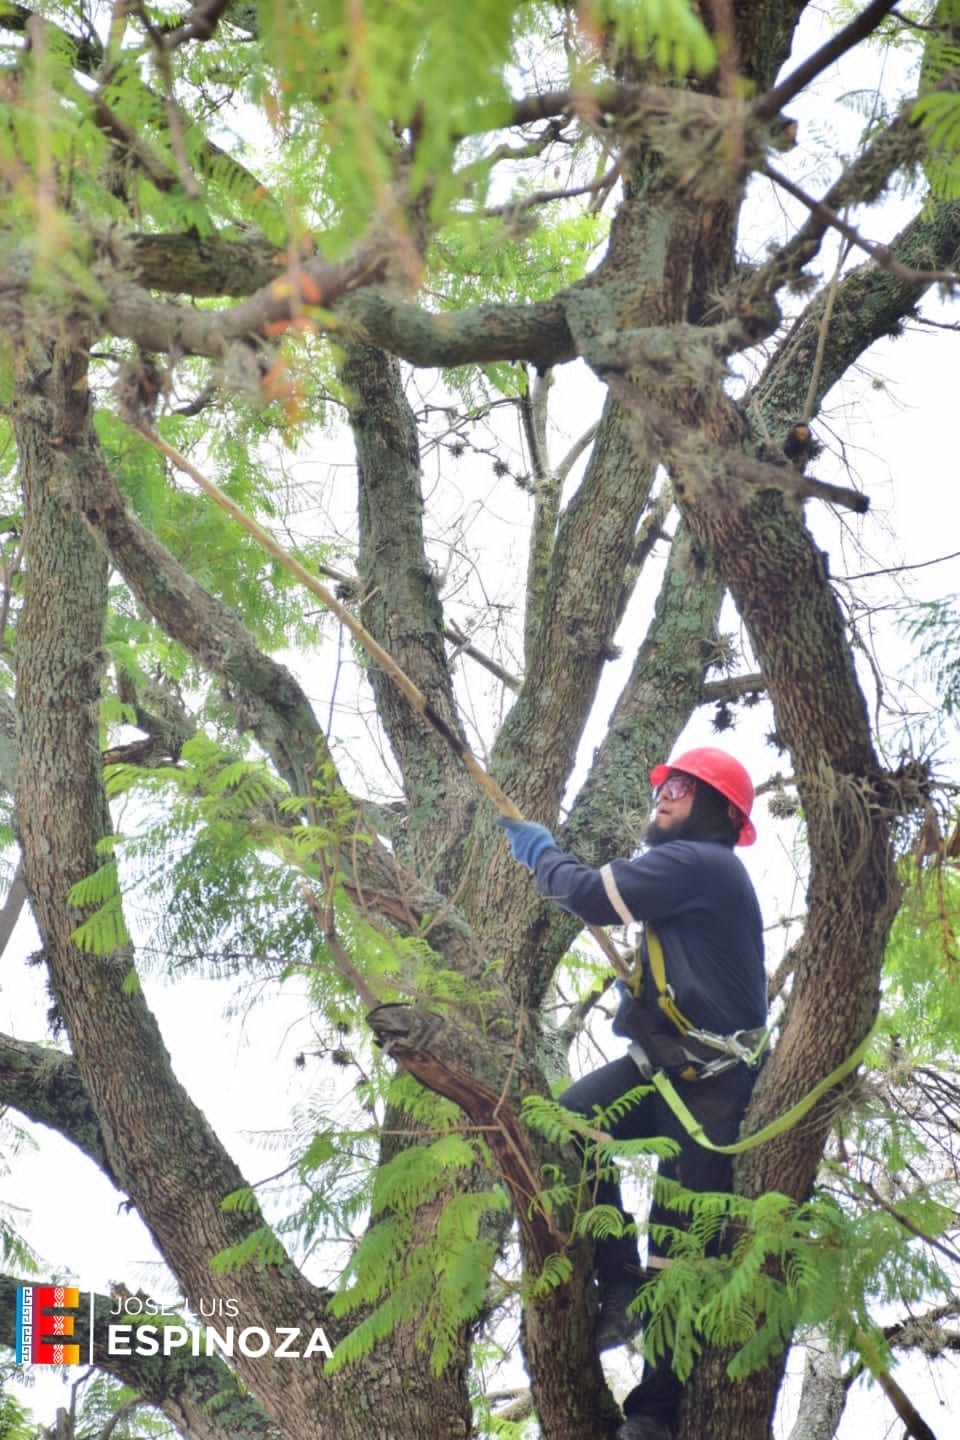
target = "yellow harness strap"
x: 665, y: 996
x: 666, y: 1088
x: 776, y: 1127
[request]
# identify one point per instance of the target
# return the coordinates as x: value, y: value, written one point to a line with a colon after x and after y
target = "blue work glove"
x: 528, y: 840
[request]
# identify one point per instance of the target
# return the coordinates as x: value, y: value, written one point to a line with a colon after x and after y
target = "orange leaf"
x: 309, y: 289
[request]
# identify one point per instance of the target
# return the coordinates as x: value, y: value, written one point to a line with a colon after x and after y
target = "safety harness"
x: 724, y: 1051
x: 743, y: 1046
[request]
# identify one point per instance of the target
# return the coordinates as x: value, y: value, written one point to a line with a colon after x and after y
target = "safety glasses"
x: 675, y: 787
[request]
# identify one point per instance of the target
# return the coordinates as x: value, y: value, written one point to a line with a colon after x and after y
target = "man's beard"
x: 657, y: 834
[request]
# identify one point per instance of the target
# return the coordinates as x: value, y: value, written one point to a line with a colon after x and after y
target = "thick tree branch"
x: 926, y: 1332
x: 823, y: 1395
x: 578, y: 607
x: 45, y: 1086
x: 724, y: 469
x: 159, y: 1146
x: 764, y: 35
x: 131, y: 313
x: 732, y: 687
x: 200, y: 267
x: 486, y: 1078
x: 401, y: 606
x: 538, y: 332
x: 914, y: 1422
x: 13, y: 903
x: 665, y: 685
x: 653, y: 109
x: 869, y: 302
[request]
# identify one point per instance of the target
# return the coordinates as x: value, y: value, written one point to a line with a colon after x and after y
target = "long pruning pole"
x: 374, y: 649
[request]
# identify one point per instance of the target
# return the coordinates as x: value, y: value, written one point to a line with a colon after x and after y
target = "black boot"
x: 644, y: 1427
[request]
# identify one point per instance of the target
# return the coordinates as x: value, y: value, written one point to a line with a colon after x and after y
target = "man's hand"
x: 528, y: 840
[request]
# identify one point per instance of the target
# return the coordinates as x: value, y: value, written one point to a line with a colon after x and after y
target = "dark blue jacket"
x: 699, y: 899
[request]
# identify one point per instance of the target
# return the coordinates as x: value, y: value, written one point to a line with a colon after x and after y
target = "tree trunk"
x: 158, y: 1146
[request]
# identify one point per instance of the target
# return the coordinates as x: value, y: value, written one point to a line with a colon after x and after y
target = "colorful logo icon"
x: 42, y: 1326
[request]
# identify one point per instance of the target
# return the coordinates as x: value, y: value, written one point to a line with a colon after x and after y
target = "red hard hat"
x: 716, y: 768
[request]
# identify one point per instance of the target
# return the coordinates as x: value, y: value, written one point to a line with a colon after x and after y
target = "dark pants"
x: 718, y: 1104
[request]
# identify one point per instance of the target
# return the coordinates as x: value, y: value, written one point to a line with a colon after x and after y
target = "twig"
x: 782, y: 974
x: 650, y: 531
x: 563, y: 467
x: 323, y: 914
x: 909, y: 1225
x: 732, y: 687
x: 574, y: 1022
x: 533, y: 417
x: 200, y: 401
x: 174, y: 114
x: 770, y: 104
x: 464, y: 646
x: 201, y: 25
x: 882, y: 255
x: 515, y: 208
x: 123, y: 1412
x: 897, y: 569
x: 823, y: 330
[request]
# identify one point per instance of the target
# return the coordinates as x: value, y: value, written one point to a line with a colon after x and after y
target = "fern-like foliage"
x: 105, y: 930
x: 937, y: 110
x: 785, y: 1268
x: 399, y: 1272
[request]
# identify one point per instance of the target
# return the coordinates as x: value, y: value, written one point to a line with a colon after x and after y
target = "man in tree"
x: 697, y: 992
